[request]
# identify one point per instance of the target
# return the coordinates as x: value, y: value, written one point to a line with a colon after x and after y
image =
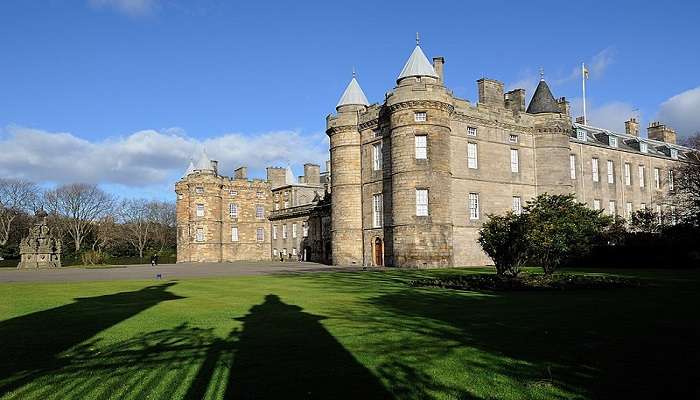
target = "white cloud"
x: 682, y: 112
x: 147, y: 158
x: 596, y: 66
x: 129, y: 7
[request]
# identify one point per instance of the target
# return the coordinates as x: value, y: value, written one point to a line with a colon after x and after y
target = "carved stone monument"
x: 40, y: 249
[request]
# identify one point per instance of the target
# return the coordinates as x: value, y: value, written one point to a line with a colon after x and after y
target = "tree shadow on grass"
x: 31, y: 345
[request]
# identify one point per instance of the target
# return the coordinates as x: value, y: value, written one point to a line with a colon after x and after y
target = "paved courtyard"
x: 166, y: 271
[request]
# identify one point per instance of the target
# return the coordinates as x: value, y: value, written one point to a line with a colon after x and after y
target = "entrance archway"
x: 378, y: 252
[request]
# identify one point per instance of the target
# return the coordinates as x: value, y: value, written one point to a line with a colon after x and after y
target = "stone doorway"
x: 378, y: 252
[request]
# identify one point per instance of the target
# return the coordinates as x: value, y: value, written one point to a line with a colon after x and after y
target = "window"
x: 305, y: 229
x: 611, y: 172
x: 612, y: 141
x: 674, y: 154
x: 513, y: 138
x: 517, y: 205
x: 275, y: 252
x: 233, y: 210
x: 284, y: 251
x: 473, y: 206
x: 658, y: 213
x: 594, y: 170
x: 596, y: 204
x: 274, y: 232
x: 643, y: 206
x: 641, y: 176
x: 472, y: 160
x: 643, y: 147
x: 514, y: 167
x: 277, y: 206
x: 284, y: 231
x: 581, y: 135
x: 294, y: 251
x: 199, y: 190
x: 422, y: 202
x: 377, y: 210
x: 670, y: 179
x: 471, y: 131
x: 232, y: 192
x: 421, y: 147
x: 260, y: 234
x: 420, y: 116
x: 294, y: 230
x: 377, y: 133
x: 377, y: 156
x: 572, y: 166
x: 611, y: 208
x: 628, y: 174
x: 200, y: 235
x: 628, y: 210
x: 259, y: 212
x: 259, y: 194
x: 234, y: 234
x: 657, y: 178
x: 286, y: 203
x: 200, y: 210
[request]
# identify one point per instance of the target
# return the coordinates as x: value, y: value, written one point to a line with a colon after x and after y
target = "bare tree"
x: 80, y: 205
x: 136, y: 218
x: 105, y: 233
x: 16, y: 196
x: 687, y: 191
x: 164, y: 223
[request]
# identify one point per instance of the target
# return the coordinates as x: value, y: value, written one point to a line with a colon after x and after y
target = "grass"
x: 347, y: 335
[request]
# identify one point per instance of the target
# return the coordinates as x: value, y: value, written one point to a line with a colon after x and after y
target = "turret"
x: 346, y: 217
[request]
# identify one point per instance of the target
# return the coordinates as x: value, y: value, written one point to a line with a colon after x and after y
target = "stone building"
x: 415, y: 176
x: 40, y: 249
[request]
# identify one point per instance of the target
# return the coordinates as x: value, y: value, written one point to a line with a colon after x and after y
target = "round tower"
x: 419, y: 111
x: 346, y: 183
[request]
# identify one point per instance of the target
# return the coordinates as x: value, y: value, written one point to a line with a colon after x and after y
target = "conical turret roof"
x: 542, y: 101
x: 190, y: 169
x: 204, y: 163
x: 289, y: 176
x: 417, y: 65
x: 353, y: 95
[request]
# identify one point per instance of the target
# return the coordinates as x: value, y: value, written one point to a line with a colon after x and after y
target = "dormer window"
x: 581, y: 135
x: 420, y: 116
x: 471, y: 131
x: 674, y: 154
x: 643, y: 147
x: 612, y: 141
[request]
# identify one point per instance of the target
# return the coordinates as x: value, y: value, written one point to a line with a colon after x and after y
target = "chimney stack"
x: 579, y: 120
x: 515, y: 100
x: 312, y: 174
x: 439, y: 65
x: 215, y: 166
x: 276, y: 176
x: 491, y: 92
x: 632, y: 127
x: 661, y: 132
x: 240, y: 173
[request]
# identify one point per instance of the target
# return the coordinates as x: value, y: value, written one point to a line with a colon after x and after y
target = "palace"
x: 411, y: 179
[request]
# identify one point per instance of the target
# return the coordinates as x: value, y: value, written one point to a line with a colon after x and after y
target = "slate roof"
x: 543, y: 101
x: 417, y: 65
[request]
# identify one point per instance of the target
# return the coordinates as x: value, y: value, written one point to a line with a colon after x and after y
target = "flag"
x: 585, y: 72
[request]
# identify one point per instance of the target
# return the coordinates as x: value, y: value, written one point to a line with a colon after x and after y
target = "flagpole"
x: 583, y: 83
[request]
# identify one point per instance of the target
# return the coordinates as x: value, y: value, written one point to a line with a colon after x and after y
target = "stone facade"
x: 40, y: 249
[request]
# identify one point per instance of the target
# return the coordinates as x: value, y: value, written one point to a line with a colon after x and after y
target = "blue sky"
x: 126, y: 91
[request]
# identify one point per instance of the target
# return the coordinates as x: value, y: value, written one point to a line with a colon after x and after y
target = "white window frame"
x: 233, y: 210
x: 294, y: 251
x: 659, y: 215
x: 274, y: 232
x: 421, y: 147
x: 513, y: 138
x: 596, y: 204
x: 612, y: 141
x: 260, y: 234
x: 643, y: 147
x: 472, y: 131
x: 305, y: 229
x: 642, y: 206
x: 294, y: 230
x: 595, y: 172
x: 671, y: 180
x: 259, y: 194
x: 232, y: 192
x: 259, y: 211
x: 277, y: 206
x: 628, y: 174
x: 286, y: 203
x: 612, y: 208
x: 474, y: 206
x: 472, y: 156
x: 611, y: 171
x: 514, y: 161
x: 420, y: 116
x: 275, y: 252
x: 199, y: 210
x: 642, y: 180
x: 234, y: 233
x: 199, y: 235
x: 628, y: 210
x: 377, y: 210
x: 377, y: 156
x: 581, y: 135
x: 674, y: 154
x: 572, y: 166
x: 285, y: 234
x: 199, y: 190
x: 657, y: 178
x: 517, y: 205
x: 422, y: 203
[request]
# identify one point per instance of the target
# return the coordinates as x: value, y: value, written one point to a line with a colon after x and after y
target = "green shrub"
x: 92, y: 257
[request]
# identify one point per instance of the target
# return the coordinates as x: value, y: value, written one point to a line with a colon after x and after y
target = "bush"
x: 92, y: 257
x: 503, y: 239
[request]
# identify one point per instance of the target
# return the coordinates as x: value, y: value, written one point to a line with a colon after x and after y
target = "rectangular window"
x: 286, y: 204
x: 377, y: 156
x: 517, y: 205
x: 594, y: 170
x: 294, y: 251
x: 259, y: 212
x: 474, y: 206
x: 259, y: 194
x: 643, y: 147
x: 658, y: 213
x: 284, y: 231
x: 260, y: 234
x: 628, y: 210
x: 274, y: 232
x: 611, y: 172
x: 643, y: 206
x: 674, y: 154
x: 514, y: 161
x: 581, y: 135
x: 670, y: 180
x: 472, y: 157
x: 233, y: 210
x: 612, y: 141
x: 657, y: 178
x: 422, y: 202
x: 200, y: 210
x: 275, y: 252
x: 232, y: 192
x: 377, y: 210
x: 200, y: 235
x: 277, y: 206
x: 572, y: 166
x: 596, y: 204
x: 513, y: 138
x: 421, y: 147
x: 641, y: 176
x: 305, y: 229
x: 199, y: 190
x: 628, y: 174
x: 294, y: 230
x: 612, y: 210
x: 420, y: 116
x: 234, y: 234
x: 471, y: 131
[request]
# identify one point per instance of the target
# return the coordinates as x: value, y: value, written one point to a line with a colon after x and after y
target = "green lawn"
x: 347, y: 336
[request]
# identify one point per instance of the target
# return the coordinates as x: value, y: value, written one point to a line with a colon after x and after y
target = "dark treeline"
x: 94, y: 226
